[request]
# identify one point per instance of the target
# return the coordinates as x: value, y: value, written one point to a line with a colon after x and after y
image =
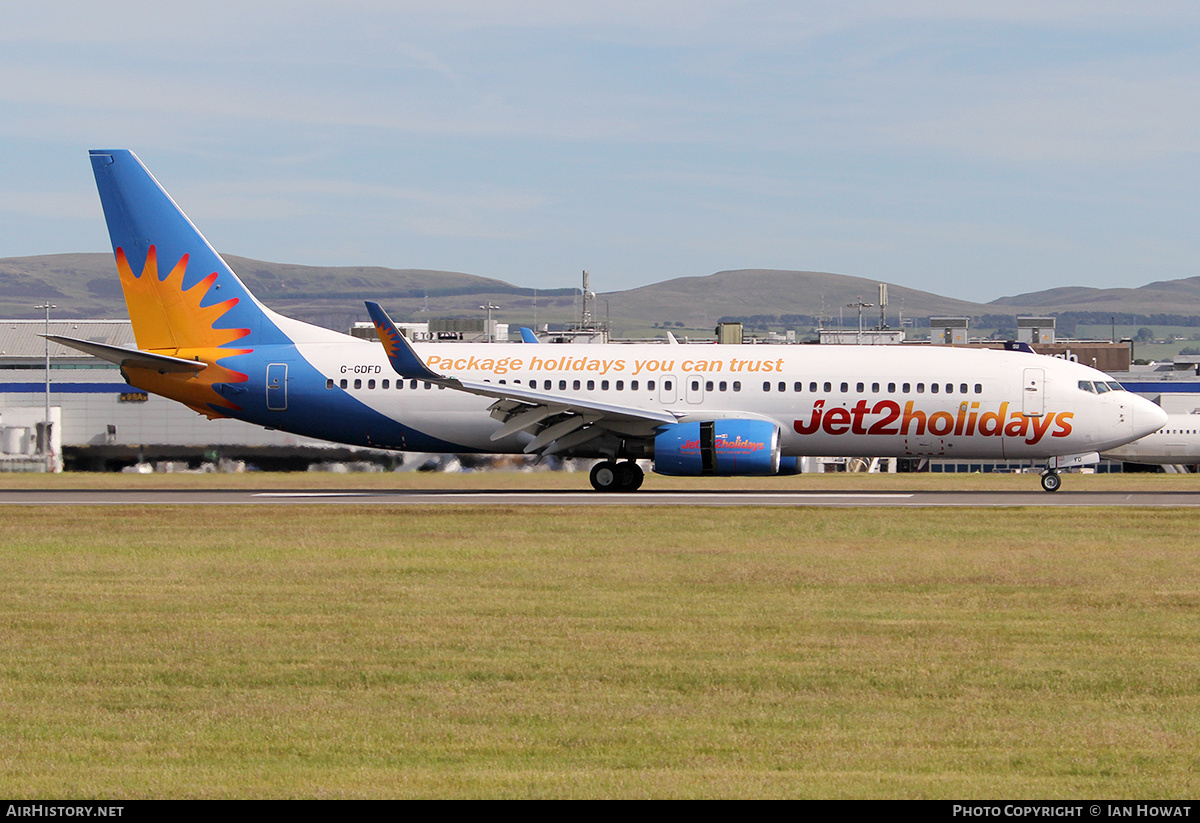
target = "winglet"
x: 527, y: 335
x: 400, y: 353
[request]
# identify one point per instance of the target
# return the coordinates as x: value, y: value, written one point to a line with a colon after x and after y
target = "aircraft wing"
x: 130, y: 357
x: 562, y: 420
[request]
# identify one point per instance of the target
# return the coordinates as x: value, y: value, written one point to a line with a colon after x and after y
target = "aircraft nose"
x: 1147, y: 417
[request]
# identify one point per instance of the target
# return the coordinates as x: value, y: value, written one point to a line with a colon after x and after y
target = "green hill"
x: 85, y: 285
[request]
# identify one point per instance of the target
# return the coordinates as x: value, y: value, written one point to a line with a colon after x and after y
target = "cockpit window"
x: 1086, y: 385
x: 1101, y: 388
x: 1115, y: 386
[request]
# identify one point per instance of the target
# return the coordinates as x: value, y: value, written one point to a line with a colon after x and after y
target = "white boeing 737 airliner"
x: 203, y: 339
x: 1176, y: 443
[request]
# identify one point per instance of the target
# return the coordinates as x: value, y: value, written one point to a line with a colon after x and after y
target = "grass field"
x: 346, y: 651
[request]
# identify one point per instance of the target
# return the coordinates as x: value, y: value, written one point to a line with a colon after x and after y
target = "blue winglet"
x: 400, y: 353
x: 527, y: 335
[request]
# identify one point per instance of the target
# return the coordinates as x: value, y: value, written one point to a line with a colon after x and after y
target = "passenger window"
x: 875, y: 387
x: 695, y: 385
x: 920, y: 388
x: 575, y: 385
x: 798, y: 387
x: 828, y: 387
x: 633, y: 385
x: 979, y: 388
x: 562, y: 385
x: 344, y: 384
x: 782, y: 386
x: 845, y: 388
x: 667, y: 384
x: 591, y: 385
x: 949, y: 388
x: 370, y: 384
x: 724, y: 386
x: 812, y: 387
x: 861, y: 388
x: 357, y: 384
x: 891, y: 388
x: 649, y: 385
x: 962, y: 389
x: 708, y: 385
x: 906, y: 388
x: 620, y: 385
x: 766, y: 386
x: 386, y: 384
x: 933, y: 388
x: 737, y: 385
x: 603, y: 385
x: 329, y: 382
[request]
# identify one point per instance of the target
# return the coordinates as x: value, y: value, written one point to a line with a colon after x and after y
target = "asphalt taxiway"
x: 502, y: 497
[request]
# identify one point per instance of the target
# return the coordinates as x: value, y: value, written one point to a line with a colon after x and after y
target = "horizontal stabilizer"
x: 130, y: 357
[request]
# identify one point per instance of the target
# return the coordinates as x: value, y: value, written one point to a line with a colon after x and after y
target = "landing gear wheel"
x: 604, y: 477
x: 629, y: 476
x: 1051, y: 481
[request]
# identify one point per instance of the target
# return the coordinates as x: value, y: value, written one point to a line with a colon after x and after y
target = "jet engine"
x: 718, y: 447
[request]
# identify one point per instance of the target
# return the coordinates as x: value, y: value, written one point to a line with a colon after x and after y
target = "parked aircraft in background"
x: 1176, y: 443
x: 203, y: 339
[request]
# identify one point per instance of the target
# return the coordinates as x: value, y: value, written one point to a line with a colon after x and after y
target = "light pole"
x: 489, y: 308
x: 860, y: 305
x: 47, y: 453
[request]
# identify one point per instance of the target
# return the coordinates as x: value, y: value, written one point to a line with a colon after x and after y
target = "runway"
x: 501, y: 497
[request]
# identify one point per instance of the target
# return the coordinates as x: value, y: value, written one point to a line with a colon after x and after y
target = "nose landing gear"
x: 1051, y: 480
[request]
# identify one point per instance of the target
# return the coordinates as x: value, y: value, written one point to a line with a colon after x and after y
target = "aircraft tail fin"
x: 179, y: 292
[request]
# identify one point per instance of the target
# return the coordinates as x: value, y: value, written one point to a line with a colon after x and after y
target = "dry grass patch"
x: 343, y: 651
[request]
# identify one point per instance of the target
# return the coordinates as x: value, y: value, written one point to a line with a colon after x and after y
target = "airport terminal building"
x: 98, y: 421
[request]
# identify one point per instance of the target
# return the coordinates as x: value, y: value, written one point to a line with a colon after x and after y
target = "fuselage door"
x: 1033, y: 398
x: 668, y: 389
x: 277, y: 386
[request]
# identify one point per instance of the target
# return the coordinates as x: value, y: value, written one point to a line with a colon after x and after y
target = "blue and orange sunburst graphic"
x: 390, y: 338
x: 169, y: 319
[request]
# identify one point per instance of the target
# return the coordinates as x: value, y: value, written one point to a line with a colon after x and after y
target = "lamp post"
x: 489, y: 308
x: 860, y: 305
x: 47, y: 452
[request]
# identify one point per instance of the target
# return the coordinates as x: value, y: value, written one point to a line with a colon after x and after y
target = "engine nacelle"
x: 718, y: 447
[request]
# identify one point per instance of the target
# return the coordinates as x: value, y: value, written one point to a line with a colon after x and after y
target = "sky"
x: 976, y: 150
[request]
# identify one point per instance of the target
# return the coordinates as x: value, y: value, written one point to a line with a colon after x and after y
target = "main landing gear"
x: 610, y: 476
x: 1051, y: 481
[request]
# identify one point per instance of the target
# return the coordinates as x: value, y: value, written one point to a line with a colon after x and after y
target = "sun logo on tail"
x: 169, y: 319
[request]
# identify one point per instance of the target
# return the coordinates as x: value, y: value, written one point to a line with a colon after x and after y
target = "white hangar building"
x: 98, y: 421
